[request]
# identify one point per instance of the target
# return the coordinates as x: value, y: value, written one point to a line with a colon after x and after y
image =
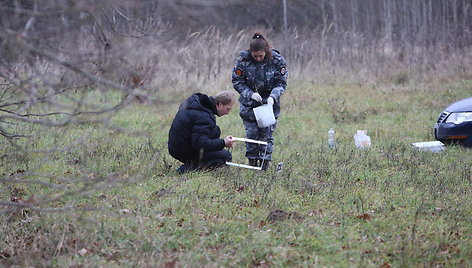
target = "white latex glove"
x: 270, y: 101
x: 256, y: 97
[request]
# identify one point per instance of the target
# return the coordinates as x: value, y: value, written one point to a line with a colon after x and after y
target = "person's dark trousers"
x: 209, y: 160
x: 253, y: 132
x: 215, y: 159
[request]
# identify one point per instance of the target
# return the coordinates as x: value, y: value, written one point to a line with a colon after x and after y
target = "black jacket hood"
x: 199, y: 101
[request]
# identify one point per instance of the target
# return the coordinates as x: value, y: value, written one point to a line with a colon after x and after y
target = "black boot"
x: 253, y: 162
x: 265, y: 164
x: 181, y: 169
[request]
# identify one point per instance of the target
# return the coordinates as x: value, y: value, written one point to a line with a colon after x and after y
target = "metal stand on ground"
x: 248, y: 166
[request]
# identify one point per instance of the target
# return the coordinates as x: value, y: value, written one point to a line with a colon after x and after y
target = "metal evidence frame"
x: 247, y: 166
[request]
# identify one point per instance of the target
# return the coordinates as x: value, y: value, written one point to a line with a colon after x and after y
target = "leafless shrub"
x: 60, y: 67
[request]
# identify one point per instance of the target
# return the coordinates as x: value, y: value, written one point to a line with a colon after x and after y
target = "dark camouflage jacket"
x: 268, y: 78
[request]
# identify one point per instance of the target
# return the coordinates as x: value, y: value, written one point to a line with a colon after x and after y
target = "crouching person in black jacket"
x: 194, y: 137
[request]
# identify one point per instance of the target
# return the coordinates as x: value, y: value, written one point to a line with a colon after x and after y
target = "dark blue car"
x: 455, y: 123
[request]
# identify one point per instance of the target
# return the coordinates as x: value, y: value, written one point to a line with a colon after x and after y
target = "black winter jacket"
x: 194, y: 128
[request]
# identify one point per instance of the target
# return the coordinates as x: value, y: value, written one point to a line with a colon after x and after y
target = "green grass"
x: 385, y: 205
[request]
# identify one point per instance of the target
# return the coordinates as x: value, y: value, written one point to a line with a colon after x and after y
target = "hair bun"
x: 257, y: 36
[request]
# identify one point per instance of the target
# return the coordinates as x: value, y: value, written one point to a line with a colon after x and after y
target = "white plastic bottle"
x: 331, y: 139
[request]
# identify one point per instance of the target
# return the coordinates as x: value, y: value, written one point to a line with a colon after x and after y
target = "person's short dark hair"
x: 224, y: 97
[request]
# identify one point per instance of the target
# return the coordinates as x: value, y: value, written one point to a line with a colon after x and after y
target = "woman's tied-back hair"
x: 224, y: 97
x: 259, y: 43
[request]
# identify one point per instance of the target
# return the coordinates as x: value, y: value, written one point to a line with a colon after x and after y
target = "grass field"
x: 115, y: 199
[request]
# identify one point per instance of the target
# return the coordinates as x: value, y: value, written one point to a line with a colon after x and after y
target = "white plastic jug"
x: 361, y: 139
x: 264, y: 115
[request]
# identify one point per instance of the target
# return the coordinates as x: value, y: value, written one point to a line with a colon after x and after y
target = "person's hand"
x: 257, y: 97
x: 270, y: 101
x: 229, y: 141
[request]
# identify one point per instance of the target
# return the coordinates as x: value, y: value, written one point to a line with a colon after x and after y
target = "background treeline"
x: 417, y: 21
x: 125, y: 41
x: 398, y: 21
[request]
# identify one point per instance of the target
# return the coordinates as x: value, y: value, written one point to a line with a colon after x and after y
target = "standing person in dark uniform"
x: 194, y: 137
x: 260, y: 76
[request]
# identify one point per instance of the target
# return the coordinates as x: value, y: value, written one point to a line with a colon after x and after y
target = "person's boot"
x: 253, y: 162
x: 265, y: 164
x: 181, y: 169
x: 187, y: 167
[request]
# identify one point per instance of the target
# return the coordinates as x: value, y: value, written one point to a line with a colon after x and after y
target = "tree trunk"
x: 335, y: 16
x: 353, y: 17
x: 284, y: 3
